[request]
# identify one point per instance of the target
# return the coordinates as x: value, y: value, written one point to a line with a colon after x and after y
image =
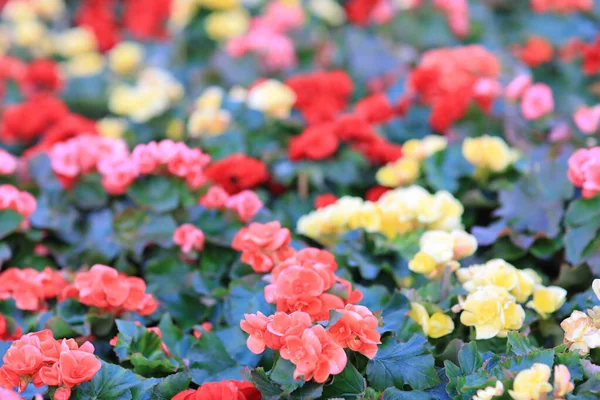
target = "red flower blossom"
x: 230, y: 390
x: 315, y: 143
x: 324, y: 200
x: 375, y: 109
x: 536, y: 51
x: 42, y: 75
x: 237, y: 172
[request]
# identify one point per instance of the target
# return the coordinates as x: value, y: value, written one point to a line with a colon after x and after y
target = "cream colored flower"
x: 272, y: 97
x: 328, y: 10
x: 490, y: 392
x: 581, y: 333
x: 75, y: 41
x: 84, y: 65
x: 126, y: 57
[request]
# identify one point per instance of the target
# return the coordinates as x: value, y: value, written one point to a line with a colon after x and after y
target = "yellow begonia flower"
x: 423, y: 263
x: 492, y: 311
x: 532, y: 383
x: 224, y: 25
x: 111, y: 127
x: 547, y: 300
x: 29, y: 33
x: 75, y: 41
x: 49, y: 9
x: 399, y: 173
x: 490, y: 392
x: 488, y: 152
x: 520, y: 283
x: 562, y: 381
x: 397, y: 212
x: 219, y: 4
x: 272, y: 97
x: 83, y: 65
x: 19, y: 11
x: 421, y: 149
x: 126, y: 58
x: 436, y: 326
x: 581, y: 334
x: 210, y: 99
x: 209, y: 122
x: 328, y: 10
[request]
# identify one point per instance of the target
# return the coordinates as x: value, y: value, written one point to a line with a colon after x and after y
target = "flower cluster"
x: 119, y: 168
x: 315, y: 351
x: 30, y: 288
x: 237, y: 172
x: 435, y: 325
x: 226, y: 389
x: 328, y: 128
x: 500, y: 284
x: 272, y: 98
x: 39, y: 358
x: 306, y: 281
x: 105, y: 288
x: 396, y: 212
x: 587, y: 119
x: 584, y: 171
x: 244, y: 204
x: 439, y: 250
x: 488, y: 153
x: 23, y: 203
x: 154, y: 92
x: 267, y: 35
x: 8, y: 163
x: 533, y: 383
x: 408, y: 168
x: 189, y: 238
x: 449, y: 79
x: 582, y: 331
x: 263, y: 245
x: 535, y: 52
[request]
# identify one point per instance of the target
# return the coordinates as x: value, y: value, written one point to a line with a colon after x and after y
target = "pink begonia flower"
x: 8, y: 163
x: 587, y: 119
x: 537, y: 101
x: 517, y: 87
x: 245, y: 204
x: 189, y: 238
x: 215, y: 198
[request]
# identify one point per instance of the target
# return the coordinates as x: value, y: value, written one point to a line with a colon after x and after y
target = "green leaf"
x: 519, y: 363
x: 582, y: 211
x: 282, y: 374
x: 469, y: 358
x: 517, y: 344
x: 269, y: 389
x: 572, y: 360
x: 89, y: 193
x: 396, y: 394
x: 9, y: 222
x: 170, y: 386
x: 209, y: 361
x: 349, y: 384
x: 156, y: 193
x: 110, y: 383
x: 398, y: 364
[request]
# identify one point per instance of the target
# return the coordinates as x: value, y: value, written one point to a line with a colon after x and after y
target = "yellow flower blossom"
x: 30, y: 33
x: 421, y: 149
x: 423, y: 263
x: 272, y: 97
x: 547, y: 300
x: 434, y: 326
x: 126, y: 58
x: 19, y: 11
x: 328, y: 10
x: 83, y: 65
x: 208, y: 123
x: 210, y: 99
x: 399, y: 173
x: 182, y: 12
x: 562, y: 381
x: 398, y: 211
x: 111, y: 127
x: 75, y: 41
x: 49, y: 9
x: 223, y: 25
x: 492, y: 311
x: 532, y: 383
x: 488, y: 152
